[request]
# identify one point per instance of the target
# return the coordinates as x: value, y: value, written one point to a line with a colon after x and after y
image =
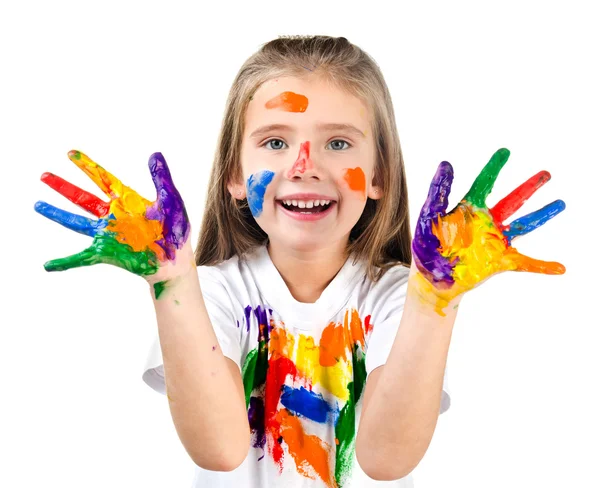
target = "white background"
x: 121, y: 80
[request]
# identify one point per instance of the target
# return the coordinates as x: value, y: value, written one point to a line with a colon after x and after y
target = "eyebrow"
x: 261, y: 131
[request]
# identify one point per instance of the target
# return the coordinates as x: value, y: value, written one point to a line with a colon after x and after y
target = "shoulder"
x: 387, y: 293
x: 233, y: 274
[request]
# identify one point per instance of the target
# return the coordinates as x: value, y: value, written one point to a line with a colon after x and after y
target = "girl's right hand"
x: 147, y: 238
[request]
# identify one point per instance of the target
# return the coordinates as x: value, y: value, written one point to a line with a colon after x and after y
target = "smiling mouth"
x: 314, y: 210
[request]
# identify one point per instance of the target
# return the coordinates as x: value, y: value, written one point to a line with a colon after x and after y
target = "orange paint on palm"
x: 288, y: 101
x: 310, y: 453
x: 355, y: 177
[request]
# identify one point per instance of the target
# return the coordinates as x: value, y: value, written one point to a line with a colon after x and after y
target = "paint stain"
x: 214, y: 347
x: 303, y: 161
x: 288, y: 101
x: 355, y: 177
x: 256, y: 186
x: 159, y: 288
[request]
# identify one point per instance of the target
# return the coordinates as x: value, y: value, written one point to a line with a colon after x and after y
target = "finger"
x: 529, y: 222
x: 110, y: 251
x: 87, y: 201
x: 483, y: 184
x: 439, y: 189
x: 516, y: 261
x: 72, y: 221
x: 513, y: 201
x: 169, y: 206
x: 109, y: 184
x: 87, y: 257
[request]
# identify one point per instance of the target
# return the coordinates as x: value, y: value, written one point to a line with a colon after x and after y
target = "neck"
x: 308, y: 272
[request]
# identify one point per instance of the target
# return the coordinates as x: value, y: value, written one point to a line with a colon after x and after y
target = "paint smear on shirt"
x: 288, y: 101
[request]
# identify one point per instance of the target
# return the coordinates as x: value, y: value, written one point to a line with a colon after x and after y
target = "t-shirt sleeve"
x: 388, y: 306
x: 220, y: 310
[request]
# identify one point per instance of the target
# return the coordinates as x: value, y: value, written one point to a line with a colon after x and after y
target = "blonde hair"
x: 382, y: 235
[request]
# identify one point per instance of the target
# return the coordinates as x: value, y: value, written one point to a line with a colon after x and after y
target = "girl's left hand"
x: 456, y: 251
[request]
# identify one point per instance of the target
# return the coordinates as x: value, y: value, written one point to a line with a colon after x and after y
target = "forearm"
x: 408, y: 393
x: 207, y: 410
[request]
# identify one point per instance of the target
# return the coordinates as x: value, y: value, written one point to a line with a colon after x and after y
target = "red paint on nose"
x: 303, y: 162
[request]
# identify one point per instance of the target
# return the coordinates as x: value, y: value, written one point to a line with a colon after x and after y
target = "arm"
x: 452, y: 253
x: 151, y: 239
x: 407, y: 389
x: 204, y: 388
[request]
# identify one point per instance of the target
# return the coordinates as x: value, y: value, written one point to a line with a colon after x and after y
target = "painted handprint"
x: 131, y: 232
x: 456, y: 251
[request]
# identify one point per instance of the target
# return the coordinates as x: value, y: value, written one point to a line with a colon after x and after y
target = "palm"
x: 130, y: 232
x: 458, y: 250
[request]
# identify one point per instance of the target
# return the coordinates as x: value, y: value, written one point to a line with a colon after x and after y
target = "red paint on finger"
x: 87, y: 201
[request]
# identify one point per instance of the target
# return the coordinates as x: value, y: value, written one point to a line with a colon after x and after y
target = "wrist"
x: 426, y: 299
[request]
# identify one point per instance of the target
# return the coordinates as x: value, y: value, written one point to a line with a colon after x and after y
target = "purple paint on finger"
x: 425, y: 245
x: 168, y: 208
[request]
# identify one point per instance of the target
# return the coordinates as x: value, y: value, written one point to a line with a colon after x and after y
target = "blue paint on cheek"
x: 256, y: 187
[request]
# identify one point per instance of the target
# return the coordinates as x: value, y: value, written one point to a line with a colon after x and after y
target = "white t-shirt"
x: 303, y: 365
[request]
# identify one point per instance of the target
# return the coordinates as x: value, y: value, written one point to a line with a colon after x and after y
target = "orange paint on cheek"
x: 355, y: 177
x: 288, y: 101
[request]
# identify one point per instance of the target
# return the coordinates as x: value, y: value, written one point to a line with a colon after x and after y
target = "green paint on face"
x: 159, y: 288
x: 176, y: 302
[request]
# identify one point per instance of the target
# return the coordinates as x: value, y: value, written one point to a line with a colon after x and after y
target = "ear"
x: 237, y: 190
x: 375, y: 192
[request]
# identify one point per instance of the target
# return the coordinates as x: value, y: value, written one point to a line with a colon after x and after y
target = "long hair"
x: 382, y: 235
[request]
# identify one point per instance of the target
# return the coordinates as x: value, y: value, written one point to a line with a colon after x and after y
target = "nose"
x: 303, y: 162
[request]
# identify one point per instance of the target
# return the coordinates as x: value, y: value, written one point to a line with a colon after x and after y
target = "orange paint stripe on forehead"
x: 355, y: 177
x: 288, y: 101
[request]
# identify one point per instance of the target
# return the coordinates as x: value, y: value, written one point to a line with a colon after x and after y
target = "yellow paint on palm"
x: 470, y: 236
x: 129, y: 208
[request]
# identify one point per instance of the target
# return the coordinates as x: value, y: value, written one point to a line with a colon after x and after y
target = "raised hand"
x: 131, y: 232
x: 456, y: 251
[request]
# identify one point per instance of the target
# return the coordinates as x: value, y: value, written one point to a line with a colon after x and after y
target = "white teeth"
x: 306, y: 203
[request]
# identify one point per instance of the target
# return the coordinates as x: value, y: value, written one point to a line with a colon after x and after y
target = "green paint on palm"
x: 483, y: 184
x: 106, y: 249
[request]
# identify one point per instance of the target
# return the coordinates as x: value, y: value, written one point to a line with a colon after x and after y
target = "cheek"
x: 356, y: 181
x: 256, y: 186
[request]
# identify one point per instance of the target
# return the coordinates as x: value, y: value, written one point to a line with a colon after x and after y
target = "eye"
x: 338, y: 144
x: 279, y: 144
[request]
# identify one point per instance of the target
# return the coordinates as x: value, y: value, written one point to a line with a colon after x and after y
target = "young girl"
x: 303, y: 346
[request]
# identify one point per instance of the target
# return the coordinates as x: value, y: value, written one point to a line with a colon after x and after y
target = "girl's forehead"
x: 309, y: 97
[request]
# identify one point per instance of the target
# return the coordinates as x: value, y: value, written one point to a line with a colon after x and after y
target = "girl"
x: 303, y: 346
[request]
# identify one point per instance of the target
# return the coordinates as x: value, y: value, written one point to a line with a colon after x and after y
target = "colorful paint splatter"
x: 130, y: 232
x: 289, y: 102
x: 293, y: 384
x: 456, y: 251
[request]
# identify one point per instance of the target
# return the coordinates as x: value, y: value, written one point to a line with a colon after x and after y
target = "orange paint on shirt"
x: 355, y: 177
x: 332, y: 346
x: 288, y: 101
x: 310, y: 453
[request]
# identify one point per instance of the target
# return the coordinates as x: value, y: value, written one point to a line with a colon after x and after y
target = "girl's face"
x: 305, y: 136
